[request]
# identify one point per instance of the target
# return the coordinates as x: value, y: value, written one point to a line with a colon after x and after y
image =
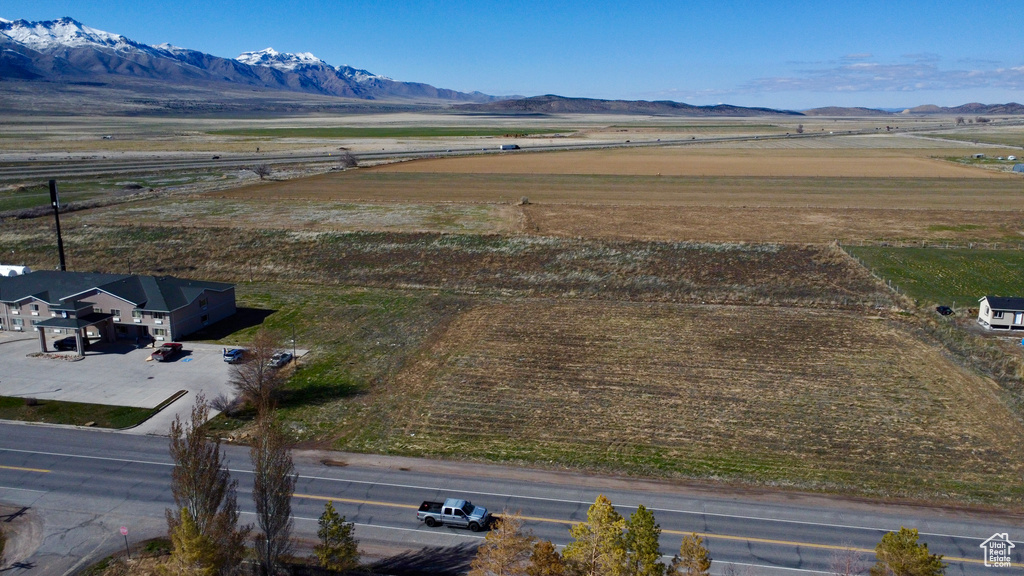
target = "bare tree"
x: 506, y: 550
x: 262, y: 170
x: 847, y: 562
x: 274, y: 480
x: 258, y: 383
x: 800, y: 129
x: 347, y: 160
x: 960, y: 121
x: 203, y: 489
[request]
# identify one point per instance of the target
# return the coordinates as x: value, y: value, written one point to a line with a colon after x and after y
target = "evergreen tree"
x: 546, y: 561
x: 643, y: 553
x: 899, y: 554
x: 598, y: 547
x: 192, y: 553
x: 338, y: 549
x: 693, y: 558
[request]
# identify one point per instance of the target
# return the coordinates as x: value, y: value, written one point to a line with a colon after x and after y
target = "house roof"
x: 154, y: 293
x: 1001, y: 303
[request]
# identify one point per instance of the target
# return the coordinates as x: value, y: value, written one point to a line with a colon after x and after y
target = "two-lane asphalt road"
x: 86, y: 484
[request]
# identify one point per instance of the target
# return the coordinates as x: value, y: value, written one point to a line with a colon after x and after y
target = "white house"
x: 999, y: 313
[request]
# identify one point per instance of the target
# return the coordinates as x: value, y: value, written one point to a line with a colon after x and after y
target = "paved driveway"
x: 115, y: 374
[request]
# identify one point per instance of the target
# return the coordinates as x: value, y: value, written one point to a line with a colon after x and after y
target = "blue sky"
x: 778, y: 54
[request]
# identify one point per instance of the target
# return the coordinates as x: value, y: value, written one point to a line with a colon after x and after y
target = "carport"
x: 104, y: 324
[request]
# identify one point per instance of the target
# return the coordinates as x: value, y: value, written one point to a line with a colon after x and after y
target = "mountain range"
x: 552, y: 104
x: 67, y: 51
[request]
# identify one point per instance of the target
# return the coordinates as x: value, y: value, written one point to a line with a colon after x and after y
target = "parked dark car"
x: 65, y: 344
x: 944, y: 310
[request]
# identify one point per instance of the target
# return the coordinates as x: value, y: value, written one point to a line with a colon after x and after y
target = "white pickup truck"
x: 454, y: 512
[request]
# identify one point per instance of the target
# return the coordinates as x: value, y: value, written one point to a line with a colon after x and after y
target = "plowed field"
x: 814, y: 399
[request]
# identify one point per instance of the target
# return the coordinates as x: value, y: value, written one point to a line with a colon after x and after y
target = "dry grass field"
x: 674, y: 312
x: 813, y: 399
x: 760, y: 274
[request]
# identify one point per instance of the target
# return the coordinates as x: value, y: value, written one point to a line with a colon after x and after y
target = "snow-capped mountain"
x: 280, y: 60
x: 66, y: 50
x: 303, y: 60
x: 63, y: 32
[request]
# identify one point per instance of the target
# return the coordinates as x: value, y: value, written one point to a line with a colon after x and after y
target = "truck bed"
x: 434, y: 507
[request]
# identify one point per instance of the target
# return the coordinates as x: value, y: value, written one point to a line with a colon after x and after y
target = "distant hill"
x: 66, y: 51
x: 552, y: 104
x: 974, y: 108
x: 842, y: 111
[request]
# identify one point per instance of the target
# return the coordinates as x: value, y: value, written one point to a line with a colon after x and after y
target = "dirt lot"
x: 807, y: 398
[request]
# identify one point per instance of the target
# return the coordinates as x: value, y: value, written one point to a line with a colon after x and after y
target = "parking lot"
x: 115, y: 374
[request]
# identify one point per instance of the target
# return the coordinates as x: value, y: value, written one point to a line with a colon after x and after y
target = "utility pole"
x: 55, y: 201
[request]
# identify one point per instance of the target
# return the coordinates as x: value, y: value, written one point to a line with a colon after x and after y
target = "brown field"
x: 776, y: 224
x: 944, y: 202
x: 824, y: 400
x: 695, y: 161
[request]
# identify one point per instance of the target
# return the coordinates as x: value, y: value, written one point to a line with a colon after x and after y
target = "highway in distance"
x: 85, y: 484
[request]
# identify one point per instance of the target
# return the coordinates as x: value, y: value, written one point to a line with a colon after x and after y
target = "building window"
x: 35, y: 307
x: 115, y: 312
x: 158, y: 315
x: 136, y: 313
x: 202, y: 302
x: 160, y: 332
x: 204, y: 318
x: 997, y: 314
x: 18, y: 322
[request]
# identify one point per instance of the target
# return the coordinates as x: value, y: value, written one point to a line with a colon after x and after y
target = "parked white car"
x: 280, y: 359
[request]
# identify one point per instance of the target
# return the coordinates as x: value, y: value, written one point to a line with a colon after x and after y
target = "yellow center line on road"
x: 676, y: 532
x: 24, y: 469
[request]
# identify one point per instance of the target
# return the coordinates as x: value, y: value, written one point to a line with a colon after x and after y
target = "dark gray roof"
x: 51, y: 286
x: 1001, y: 303
x: 155, y: 293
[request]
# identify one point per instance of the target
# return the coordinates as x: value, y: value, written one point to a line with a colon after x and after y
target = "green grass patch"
x: 74, y: 413
x: 384, y: 132
x: 947, y: 276
x: 1013, y: 139
x: 358, y: 338
x: 955, y: 228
